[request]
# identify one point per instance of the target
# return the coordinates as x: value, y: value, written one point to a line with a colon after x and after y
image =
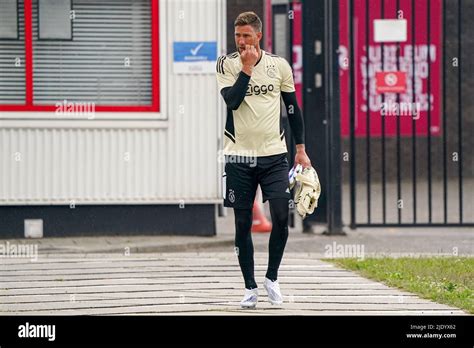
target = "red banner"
x: 423, y: 83
x: 298, y: 51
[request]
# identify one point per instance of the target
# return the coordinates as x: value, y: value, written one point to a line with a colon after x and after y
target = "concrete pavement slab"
x: 28, y: 288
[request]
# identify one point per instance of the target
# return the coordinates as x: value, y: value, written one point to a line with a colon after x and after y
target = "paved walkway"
x: 191, y: 284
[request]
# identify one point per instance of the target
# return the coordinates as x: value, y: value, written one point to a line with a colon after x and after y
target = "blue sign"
x: 195, y: 51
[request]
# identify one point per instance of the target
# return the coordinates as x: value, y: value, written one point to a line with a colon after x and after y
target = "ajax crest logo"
x: 231, y: 196
x: 271, y: 72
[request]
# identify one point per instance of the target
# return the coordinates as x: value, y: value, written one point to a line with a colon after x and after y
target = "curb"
x: 141, y: 249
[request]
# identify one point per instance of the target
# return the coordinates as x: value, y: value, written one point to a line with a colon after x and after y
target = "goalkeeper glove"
x: 308, y: 190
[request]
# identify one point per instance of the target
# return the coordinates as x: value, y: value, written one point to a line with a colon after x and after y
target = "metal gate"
x: 410, y: 150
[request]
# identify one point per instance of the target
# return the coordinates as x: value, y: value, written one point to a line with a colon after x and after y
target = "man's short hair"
x: 249, y: 18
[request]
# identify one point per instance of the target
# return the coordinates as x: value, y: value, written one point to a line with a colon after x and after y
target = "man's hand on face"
x: 249, y: 56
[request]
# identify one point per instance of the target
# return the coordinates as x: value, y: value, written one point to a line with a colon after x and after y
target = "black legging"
x: 278, y: 237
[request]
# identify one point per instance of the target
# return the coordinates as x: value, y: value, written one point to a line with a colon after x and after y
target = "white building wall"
x: 127, y: 162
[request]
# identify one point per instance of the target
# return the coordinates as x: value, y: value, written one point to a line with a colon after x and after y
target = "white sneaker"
x: 250, y: 298
x: 273, y: 291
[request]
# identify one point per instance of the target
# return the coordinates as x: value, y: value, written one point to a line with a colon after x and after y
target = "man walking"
x: 251, y: 81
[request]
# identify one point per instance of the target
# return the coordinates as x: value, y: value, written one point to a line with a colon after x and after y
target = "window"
x: 9, y: 19
x: 12, y: 54
x: 54, y: 20
x: 111, y: 58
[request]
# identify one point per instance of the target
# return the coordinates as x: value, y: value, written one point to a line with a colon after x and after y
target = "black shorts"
x: 242, y: 175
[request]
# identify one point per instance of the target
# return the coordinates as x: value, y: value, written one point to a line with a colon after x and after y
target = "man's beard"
x: 239, y: 49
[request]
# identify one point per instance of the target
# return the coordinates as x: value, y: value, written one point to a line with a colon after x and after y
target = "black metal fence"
x: 416, y: 179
